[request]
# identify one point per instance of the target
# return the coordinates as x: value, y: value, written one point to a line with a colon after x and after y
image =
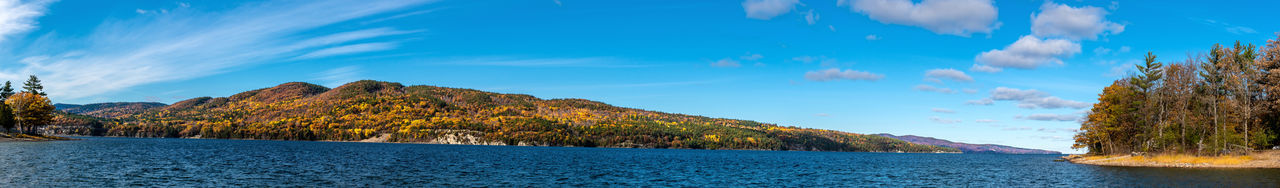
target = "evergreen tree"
x: 6, y: 91
x: 6, y: 117
x: 1148, y: 74
x: 33, y: 86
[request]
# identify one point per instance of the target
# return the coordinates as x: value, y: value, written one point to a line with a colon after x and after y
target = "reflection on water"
x: 98, y: 162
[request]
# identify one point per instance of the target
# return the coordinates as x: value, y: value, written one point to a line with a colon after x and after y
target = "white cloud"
x: 954, y: 17
x: 949, y: 74
x: 1124, y: 49
x: 767, y: 9
x: 985, y: 121
x: 1051, y: 117
x: 591, y: 62
x: 985, y: 68
x: 1029, y: 52
x: 929, y: 88
x: 872, y: 37
x: 811, y: 17
x: 1030, y: 99
x: 943, y: 110
x: 751, y: 57
x: 726, y: 62
x: 1059, y: 20
x: 832, y: 28
x: 19, y: 17
x: 1233, y: 29
x: 822, y: 115
x: 937, y: 119
x: 1101, y: 51
x: 338, y: 76
x: 834, y: 74
x: 984, y: 102
x: 348, y: 49
x: 186, y: 44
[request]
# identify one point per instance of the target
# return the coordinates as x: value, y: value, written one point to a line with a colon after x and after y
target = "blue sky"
x: 1008, y: 72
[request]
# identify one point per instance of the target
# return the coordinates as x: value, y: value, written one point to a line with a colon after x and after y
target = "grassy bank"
x: 1261, y: 159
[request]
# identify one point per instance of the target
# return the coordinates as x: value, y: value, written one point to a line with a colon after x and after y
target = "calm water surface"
x: 106, y: 162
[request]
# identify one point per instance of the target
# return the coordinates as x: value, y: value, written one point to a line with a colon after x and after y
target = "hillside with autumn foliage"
x: 391, y: 112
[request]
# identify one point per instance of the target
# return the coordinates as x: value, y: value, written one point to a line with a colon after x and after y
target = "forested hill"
x: 390, y: 112
x: 967, y: 147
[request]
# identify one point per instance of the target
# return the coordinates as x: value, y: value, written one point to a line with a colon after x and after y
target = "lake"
x: 109, y: 162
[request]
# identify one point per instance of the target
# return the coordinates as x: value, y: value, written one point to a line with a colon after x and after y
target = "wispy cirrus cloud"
x: 187, y: 43
x: 349, y: 49
x: 337, y: 76
x: 18, y: 17
x: 588, y: 62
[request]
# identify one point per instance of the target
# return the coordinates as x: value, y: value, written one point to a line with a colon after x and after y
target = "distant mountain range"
x: 376, y: 111
x: 968, y: 148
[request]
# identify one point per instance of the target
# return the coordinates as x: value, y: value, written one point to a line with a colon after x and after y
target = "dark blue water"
x: 107, y: 162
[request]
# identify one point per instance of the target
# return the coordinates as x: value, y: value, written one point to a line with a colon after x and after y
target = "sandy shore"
x: 1261, y: 159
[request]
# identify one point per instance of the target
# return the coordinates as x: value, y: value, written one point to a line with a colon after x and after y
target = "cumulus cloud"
x: 834, y: 74
x: 954, y: 17
x: 1059, y: 20
x: 1051, y: 117
x: 19, y: 17
x: 751, y: 57
x: 872, y: 37
x: 985, y: 68
x: 1030, y: 99
x: 937, y: 119
x: 929, y: 88
x: 943, y: 110
x: 767, y: 9
x: 1029, y: 52
x: 186, y: 44
x: 948, y: 74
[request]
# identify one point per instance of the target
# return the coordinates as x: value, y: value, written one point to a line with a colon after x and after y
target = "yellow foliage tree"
x: 31, y: 111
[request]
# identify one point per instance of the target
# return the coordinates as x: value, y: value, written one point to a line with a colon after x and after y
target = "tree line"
x: 25, y: 111
x: 1223, y: 101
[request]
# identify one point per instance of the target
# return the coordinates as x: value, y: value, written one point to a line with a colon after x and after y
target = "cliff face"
x: 969, y: 148
x: 392, y: 112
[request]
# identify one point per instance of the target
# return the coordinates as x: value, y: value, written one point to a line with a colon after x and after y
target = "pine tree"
x: 33, y: 86
x: 6, y: 91
x: 1148, y: 74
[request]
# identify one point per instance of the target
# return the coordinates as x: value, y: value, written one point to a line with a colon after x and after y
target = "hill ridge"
x: 392, y: 112
x: 967, y: 147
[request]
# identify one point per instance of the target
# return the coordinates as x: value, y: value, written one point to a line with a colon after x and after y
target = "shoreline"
x: 19, y: 137
x: 374, y: 140
x: 1259, y: 159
